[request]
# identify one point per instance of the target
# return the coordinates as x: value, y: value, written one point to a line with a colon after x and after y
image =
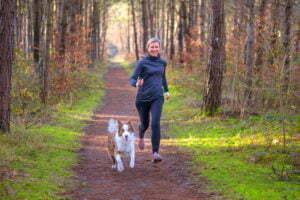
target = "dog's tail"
x: 113, y: 126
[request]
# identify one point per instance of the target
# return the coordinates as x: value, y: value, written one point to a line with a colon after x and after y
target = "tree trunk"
x: 260, y: 51
x: 202, y: 29
x: 145, y: 23
x: 217, y: 57
x: 249, y: 55
x: 172, y: 45
x: 7, y: 20
x: 286, y: 44
x: 274, y: 32
x: 29, y: 28
x: 167, y: 43
x: 37, y: 28
x: 182, y: 11
x: 95, y: 31
x: 63, y: 27
x: 151, y: 14
x: 134, y: 30
x: 128, y: 31
x: 162, y: 26
x: 104, y: 29
x: 45, y: 86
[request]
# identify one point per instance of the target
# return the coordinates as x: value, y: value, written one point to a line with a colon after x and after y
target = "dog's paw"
x: 120, y: 168
x: 114, y: 166
x: 131, y: 164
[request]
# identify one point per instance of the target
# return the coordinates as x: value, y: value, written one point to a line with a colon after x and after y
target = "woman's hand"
x: 167, y: 95
x: 139, y: 82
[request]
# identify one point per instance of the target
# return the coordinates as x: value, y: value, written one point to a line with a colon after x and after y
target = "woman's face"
x: 153, y: 48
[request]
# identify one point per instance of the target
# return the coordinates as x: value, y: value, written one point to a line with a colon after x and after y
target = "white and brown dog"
x: 121, y: 142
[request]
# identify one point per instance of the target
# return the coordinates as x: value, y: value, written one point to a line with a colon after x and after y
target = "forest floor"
x: 170, y: 179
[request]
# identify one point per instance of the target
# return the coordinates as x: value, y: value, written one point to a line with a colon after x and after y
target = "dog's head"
x: 125, y: 130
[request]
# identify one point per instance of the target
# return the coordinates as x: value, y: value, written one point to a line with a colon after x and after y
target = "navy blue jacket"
x: 153, y: 70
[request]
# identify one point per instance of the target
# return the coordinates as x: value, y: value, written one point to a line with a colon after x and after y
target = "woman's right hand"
x: 139, y: 82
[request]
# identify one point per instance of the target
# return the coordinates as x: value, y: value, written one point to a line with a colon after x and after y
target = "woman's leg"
x: 144, y: 114
x: 156, y: 109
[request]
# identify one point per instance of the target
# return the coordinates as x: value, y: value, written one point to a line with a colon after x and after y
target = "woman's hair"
x: 152, y: 40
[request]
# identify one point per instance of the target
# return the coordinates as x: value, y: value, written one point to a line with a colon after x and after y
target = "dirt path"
x: 147, y: 181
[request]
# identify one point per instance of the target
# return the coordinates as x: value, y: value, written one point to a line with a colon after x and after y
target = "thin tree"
x: 128, y: 31
x: 216, y: 62
x: 37, y: 30
x: 249, y: 55
x: 7, y: 20
x: 134, y: 30
x: 260, y: 51
x: 48, y: 39
x: 274, y: 32
x: 202, y: 27
x: 172, y: 28
x: 63, y: 10
x: 145, y: 20
x: 286, y: 44
x: 104, y: 29
x: 95, y: 31
x: 182, y: 15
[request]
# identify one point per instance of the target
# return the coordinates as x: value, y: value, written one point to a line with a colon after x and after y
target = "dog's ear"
x: 120, y: 127
x: 130, y: 126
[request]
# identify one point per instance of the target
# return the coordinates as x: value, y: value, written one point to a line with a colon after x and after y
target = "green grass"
x: 36, y: 163
x: 236, y: 155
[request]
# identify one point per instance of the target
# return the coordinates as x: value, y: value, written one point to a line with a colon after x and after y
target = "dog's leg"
x: 132, y: 159
x: 114, y: 166
x: 120, y: 166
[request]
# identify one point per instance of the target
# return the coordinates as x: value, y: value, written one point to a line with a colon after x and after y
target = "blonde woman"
x: 150, y: 79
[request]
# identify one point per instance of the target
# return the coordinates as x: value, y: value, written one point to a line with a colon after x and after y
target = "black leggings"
x: 155, y: 108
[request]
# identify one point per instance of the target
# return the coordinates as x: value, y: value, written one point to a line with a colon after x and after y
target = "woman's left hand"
x: 167, y: 95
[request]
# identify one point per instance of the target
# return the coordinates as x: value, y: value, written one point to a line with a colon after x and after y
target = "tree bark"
x: 202, y: 28
x: 167, y: 43
x: 63, y: 27
x: 217, y: 57
x: 182, y: 15
x: 249, y: 55
x: 145, y: 18
x: 37, y: 28
x: 134, y: 30
x: 128, y: 31
x: 274, y: 32
x: 151, y: 14
x: 95, y: 31
x: 286, y: 44
x: 104, y: 29
x: 48, y: 39
x: 260, y: 50
x: 7, y: 22
x: 172, y: 45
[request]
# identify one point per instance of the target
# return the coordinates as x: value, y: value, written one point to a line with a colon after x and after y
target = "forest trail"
x: 167, y: 180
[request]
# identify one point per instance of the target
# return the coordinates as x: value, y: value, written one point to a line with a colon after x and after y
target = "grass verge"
x: 242, y: 159
x: 36, y: 163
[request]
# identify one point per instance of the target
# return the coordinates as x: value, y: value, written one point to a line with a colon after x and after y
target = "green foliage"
x: 25, y: 91
x: 242, y: 159
x: 27, y: 109
x: 36, y: 163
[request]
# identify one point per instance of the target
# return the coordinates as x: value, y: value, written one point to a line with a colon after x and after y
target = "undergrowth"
x: 36, y: 162
x: 242, y: 159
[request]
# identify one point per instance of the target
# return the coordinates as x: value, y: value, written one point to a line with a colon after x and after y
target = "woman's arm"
x: 136, y: 74
x: 164, y: 80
